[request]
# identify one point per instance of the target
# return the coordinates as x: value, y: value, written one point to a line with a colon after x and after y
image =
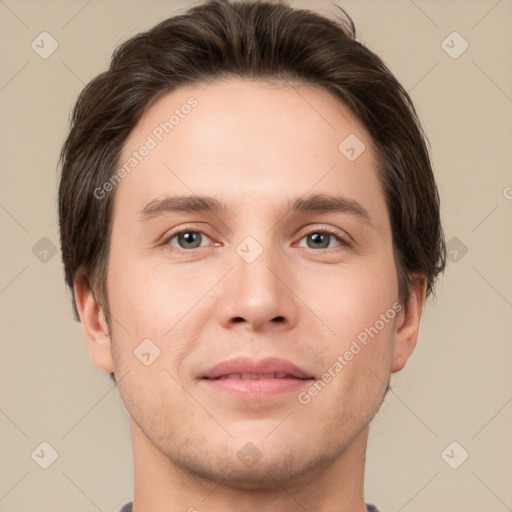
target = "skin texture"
x: 256, y: 146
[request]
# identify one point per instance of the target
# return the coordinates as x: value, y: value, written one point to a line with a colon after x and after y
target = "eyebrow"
x: 319, y: 203
x: 183, y: 204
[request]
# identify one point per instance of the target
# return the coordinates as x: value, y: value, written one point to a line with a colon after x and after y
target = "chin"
x: 268, y: 472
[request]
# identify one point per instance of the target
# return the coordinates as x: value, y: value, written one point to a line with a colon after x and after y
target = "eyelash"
x: 324, y: 231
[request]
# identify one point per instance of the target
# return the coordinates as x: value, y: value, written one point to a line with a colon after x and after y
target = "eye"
x: 188, y: 239
x: 322, y: 239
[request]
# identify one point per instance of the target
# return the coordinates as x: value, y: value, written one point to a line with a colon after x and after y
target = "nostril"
x: 279, y: 319
x: 238, y: 319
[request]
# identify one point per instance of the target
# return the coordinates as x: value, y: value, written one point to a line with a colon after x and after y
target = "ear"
x: 94, y: 323
x: 408, y: 323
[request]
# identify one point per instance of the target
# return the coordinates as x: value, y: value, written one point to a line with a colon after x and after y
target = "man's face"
x: 259, y: 279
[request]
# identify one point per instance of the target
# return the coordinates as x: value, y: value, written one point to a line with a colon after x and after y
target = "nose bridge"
x: 256, y: 292
x: 257, y: 251
x: 255, y: 269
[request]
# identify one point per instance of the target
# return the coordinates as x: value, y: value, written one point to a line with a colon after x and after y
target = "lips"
x: 244, y: 368
x: 257, y: 376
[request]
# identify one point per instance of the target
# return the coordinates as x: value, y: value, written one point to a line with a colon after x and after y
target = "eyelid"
x: 166, y: 239
x: 342, y: 236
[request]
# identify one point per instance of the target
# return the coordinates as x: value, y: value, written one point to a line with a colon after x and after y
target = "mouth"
x: 257, y: 376
x: 250, y: 379
x: 246, y: 368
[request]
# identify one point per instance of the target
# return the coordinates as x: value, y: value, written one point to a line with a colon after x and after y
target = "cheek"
x: 154, y: 301
x: 358, y: 307
x: 351, y: 298
x: 148, y: 295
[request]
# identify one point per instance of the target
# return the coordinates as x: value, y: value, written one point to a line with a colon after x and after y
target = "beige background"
x: 458, y: 384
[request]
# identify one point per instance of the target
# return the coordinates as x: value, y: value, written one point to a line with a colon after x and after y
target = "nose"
x: 258, y: 295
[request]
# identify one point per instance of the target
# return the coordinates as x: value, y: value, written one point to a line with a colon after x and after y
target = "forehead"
x: 240, y: 138
x: 244, y: 110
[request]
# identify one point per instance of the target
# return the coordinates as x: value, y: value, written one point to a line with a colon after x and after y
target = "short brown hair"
x: 256, y: 40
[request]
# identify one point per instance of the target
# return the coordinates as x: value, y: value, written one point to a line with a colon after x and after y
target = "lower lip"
x: 257, y: 389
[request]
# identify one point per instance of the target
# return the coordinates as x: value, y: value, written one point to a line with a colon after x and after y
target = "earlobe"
x: 408, y: 324
x: 95, y: 326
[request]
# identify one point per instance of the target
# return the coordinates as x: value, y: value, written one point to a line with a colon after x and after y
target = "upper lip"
x: 257, y: 366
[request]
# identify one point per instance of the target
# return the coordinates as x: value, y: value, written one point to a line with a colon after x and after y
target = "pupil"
x: 190, y: 239
x: 320, y: 239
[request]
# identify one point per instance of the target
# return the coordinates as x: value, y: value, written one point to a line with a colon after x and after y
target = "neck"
x: 160, y: 484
